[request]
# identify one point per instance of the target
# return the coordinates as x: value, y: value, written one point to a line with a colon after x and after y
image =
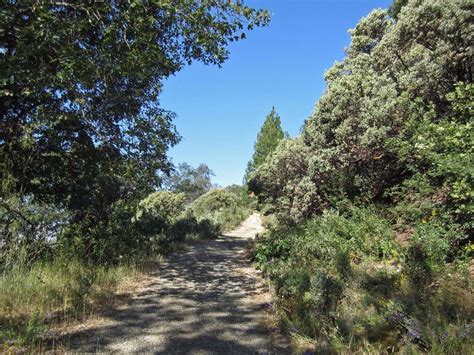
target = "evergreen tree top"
x: 267, y: 140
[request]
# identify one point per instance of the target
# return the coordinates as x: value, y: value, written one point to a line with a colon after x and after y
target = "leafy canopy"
x: 193, y: 182
x: 82, y: 130
x: 80, y: 85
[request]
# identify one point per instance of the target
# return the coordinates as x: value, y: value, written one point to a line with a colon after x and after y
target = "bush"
x: 292, y: 284
x: 28, y: 230
x: 214, y: 200
x: 341, y: 276
x: 188, y: 226
x: 183, y: 227
x: 206, y: 229
x: 393, y: 136
x: 326, y: 293
x: 224, y: 209
x: 119, y: 236
x: 156, y: 213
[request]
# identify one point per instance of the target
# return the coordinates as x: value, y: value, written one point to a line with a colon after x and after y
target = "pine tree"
x: 267, y: 140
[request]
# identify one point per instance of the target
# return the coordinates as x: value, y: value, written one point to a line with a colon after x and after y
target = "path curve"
x: 206, y: 300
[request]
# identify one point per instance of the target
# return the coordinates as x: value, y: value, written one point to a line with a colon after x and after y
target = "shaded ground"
x: 207, y: 300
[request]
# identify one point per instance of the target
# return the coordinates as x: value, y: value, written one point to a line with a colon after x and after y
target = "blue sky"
x: 220, y: 110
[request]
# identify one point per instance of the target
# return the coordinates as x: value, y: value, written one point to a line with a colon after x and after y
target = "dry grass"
x: 41, y: 301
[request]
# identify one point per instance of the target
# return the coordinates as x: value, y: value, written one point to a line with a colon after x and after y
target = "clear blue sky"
x: 220, y: 110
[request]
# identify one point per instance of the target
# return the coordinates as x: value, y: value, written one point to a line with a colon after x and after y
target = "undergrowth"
x: 35, y: 298
x: 55, y: 288
x: 346, y: 285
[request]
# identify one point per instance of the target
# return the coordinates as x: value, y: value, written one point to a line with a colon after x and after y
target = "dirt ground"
x: 205, y: 300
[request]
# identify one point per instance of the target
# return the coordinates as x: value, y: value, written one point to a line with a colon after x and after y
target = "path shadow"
x: 200, y: 302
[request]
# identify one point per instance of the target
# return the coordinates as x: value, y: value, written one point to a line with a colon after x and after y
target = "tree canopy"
x: 80, y: 86
x: 372, y: 133
x: 193, y: 182
x: 267, y: 140
x: 81, y: 123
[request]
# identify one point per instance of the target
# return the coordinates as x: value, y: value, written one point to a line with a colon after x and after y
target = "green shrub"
x: 26, y: 229
x: 214, y: 200
x: 119, y: 237
x: 270, y: 246
x: 158, y: 211
x: 341, y: 276
x: 342, y: 263
x: 417, y: 268
x: 376, y: 194
x: 292, y: 284
x: 183, y: 227
x: 206, y: 229
x: 225, y: 208
x: 325, y: 294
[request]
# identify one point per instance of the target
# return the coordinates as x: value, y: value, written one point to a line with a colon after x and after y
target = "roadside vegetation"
x: 87, y: 191
x: 58, y: 287
x: 369, y: 245
x: 369, y: 210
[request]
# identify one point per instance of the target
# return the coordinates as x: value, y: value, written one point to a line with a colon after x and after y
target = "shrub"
x: 183, y: 227
x: 326, y: 293
x: 28, y: 230
x: 417, y: 267
x: 206, y: 229
x: 225, y: 208
x: 387, y: 153
x: 158, y: 211
x: 119, y: 236
x: 292, y: 284
x: 341, y: 276
x: 214, y: 200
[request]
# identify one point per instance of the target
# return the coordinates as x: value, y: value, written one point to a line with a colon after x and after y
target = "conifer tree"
x: 267, y: 140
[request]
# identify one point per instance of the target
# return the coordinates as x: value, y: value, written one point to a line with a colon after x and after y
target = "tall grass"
x: 32, y: 299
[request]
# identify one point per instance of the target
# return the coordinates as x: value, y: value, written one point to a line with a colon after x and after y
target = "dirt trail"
x: 207, y: 300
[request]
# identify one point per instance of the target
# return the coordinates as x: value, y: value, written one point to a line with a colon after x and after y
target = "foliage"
x: 374, y: 199
x: 27, y: 230
x: 343, y: 281
x: 224, y: 208
x: 188, y: 227
x: 400, y: 81
x: 442, y: 150
x: 158, y: 210
x: 396, y: 7
x: 81, y: 125
x: 267, y: 140
x: 193, y: 182
x: 214, y: 200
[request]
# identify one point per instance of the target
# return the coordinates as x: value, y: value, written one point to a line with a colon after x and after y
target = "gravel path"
x: 207, y: 300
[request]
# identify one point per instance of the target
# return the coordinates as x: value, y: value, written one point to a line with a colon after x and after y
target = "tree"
x: 396, y: 7
x: 193, y: 182
x: 81, y: 125
x: 267, y: 140
x: 383, y: 131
